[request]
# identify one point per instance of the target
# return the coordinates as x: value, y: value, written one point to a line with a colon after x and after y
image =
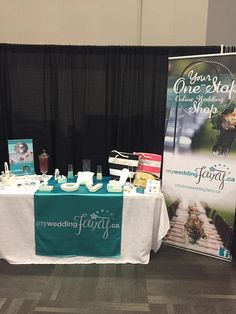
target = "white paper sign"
x: 152, y: 187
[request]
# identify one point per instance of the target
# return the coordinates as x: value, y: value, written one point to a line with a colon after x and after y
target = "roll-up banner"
x: 199, y: 162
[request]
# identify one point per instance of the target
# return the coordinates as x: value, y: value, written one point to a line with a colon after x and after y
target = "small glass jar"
x: 70, y: 172
x: 86, y: 164
x: 99, y: 173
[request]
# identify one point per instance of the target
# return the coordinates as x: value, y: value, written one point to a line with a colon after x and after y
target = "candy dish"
x: 69, y: 187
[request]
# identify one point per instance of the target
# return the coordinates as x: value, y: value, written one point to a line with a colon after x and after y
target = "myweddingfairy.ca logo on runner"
x: 101, y: 220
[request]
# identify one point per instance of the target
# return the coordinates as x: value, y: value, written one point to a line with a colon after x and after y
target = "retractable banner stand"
x: 199, y: 162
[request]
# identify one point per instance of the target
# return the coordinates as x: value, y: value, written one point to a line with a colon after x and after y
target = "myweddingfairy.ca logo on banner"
x: 216, y: 175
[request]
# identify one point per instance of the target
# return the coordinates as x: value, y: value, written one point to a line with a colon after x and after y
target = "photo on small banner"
x: 21, y: 156
x: 199, y: 173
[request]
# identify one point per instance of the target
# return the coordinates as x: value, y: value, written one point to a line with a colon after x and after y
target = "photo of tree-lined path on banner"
x: 199, y: 176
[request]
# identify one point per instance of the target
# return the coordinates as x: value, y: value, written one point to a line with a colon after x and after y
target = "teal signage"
x: 78, y: 223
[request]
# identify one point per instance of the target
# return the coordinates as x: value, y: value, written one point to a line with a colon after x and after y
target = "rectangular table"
x: 145, y: 223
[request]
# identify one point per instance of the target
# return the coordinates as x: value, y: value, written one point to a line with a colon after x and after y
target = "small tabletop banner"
x: 199, y: 173
x: 21, y: 156
x: 78, y: 223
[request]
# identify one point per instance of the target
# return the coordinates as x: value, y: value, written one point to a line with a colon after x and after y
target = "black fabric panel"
x: 83, y: 101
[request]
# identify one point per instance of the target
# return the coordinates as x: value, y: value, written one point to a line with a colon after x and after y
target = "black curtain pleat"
x: 83, y: 101
x: 229, y: 49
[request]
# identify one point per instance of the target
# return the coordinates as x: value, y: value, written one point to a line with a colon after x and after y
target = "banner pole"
x: 221, y: 48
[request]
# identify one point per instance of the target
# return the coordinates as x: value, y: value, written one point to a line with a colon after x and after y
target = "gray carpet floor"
x: 174, y: 282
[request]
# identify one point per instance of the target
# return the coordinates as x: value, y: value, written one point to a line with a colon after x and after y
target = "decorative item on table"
x: 153, y: 187
x: 6, y: 168
x: 120, y: 160
x: 61, y: 179
x: 85, y: 177
x: 114, y: 186
x: 129, y: 188
x: 140, y: 179
x: 56, y: 174
x: 86, y: 165
x: 43, y: 163
x: 118, y: 185
x: 99, y: 173
x: 149, y: 163
x: 69, y: 187
x: 26, y: 170
x: 44, y: 187
x: 94, y: 188
x: 124, y: 174
x: 7, y: 178
x: 70, y: 173
x: 21, y: 154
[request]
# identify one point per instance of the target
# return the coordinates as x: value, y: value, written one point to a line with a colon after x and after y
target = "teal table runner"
x: 78, y: 223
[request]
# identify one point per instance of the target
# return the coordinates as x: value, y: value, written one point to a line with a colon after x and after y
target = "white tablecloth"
x: 145, y: 223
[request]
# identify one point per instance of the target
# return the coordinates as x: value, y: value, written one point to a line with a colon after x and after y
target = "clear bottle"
x: 70, y: 173
x: 99, y: 173
x: 86, y: 164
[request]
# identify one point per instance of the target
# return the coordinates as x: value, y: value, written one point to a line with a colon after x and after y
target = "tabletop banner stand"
x: 21, y: 156
x: 200, y: 153
x: 67, y: 224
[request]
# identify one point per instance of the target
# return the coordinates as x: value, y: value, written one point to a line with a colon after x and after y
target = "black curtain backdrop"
x: 83, y: 101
